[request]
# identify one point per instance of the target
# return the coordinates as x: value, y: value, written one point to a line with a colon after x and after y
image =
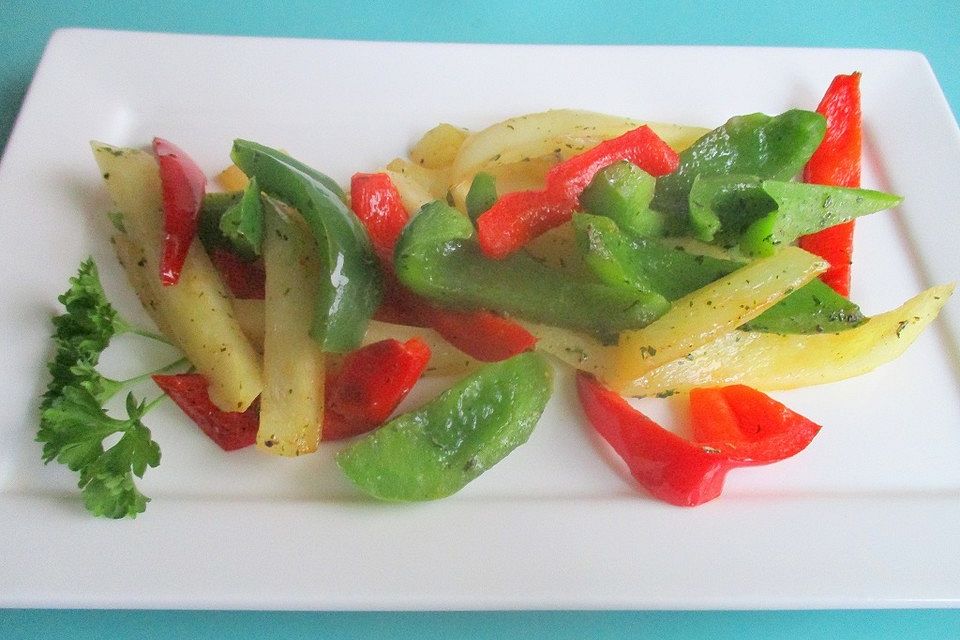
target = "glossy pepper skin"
x: 438, y: 257
x: 370, y: 384
x: 436, y: 450
x: 183, y: 184
x: 837, y: 162
x: 352, y: 290
x: 775, y: 147
x: 518, y: 217
x: 480, y: 334
x: 733, y: 427
x: 230, y: 430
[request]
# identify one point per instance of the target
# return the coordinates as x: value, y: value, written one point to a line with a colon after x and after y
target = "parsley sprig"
x: 73, y: 421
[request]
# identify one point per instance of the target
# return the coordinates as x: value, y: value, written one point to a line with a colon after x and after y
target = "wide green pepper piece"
x: 723, y: 207
x: 650, y: 265
x: 438, y: 257
x: 352, y: 290
x: 622, y: 192
x: 756, y: 144
x: 436, y: 450
x: 643, y: 263
x: 807, y: 208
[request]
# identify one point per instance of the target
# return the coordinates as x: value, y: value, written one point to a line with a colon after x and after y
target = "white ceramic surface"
x: 868, y: 515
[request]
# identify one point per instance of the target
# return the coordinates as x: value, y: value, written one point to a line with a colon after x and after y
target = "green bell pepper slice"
x: 242, y: 222
x: 650, y: 265
x: 775, y: 147
x: 482, y: 195
x: 436, y: 450
x: 437, y: 256
x: 622, y: 192
x: 806, y: 208
x: 352, y: 289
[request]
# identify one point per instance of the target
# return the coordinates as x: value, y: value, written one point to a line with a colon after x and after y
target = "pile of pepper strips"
x: 731, y: 426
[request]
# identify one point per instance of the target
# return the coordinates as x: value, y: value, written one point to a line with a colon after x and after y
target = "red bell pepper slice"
x: 518, y: 217
x: 378, y: 205
x: 750, y: 425
x: 837, y: 162
x: 672, y: 469
x: 733, y: 427
x: 230, y: 430
x: 183, y: 184
x: 370, y: 384
x: 246, y: 280
x: 480, y: 334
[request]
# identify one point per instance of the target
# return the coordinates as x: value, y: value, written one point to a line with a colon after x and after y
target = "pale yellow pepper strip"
x: 770, y: 361
x: 710, y: 312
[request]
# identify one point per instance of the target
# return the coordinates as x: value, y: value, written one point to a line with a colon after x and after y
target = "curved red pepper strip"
x: 837, y: 162
x: 230, y: 430
x: 183, y: 185
x: 671, y: 468
x: 370, y: 384
x: 519, y: 217
x: 733, y: 426
x: 483, y: 335
x: 762, y: 429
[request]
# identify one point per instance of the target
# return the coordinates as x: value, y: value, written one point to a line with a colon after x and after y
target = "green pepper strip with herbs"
x: 353, y: 289
x: 438, y: 257
x: 760, y: 145
x: 436, y: 450
x: 650, y: 265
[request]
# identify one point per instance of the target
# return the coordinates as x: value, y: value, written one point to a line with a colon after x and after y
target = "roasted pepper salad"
x: 654, y: 259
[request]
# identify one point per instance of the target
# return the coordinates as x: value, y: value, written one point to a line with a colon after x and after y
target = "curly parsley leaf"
x: 73, y: 430
x: 73, y: 422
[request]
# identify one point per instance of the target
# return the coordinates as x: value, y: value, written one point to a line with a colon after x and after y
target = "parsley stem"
x: 176, y: 364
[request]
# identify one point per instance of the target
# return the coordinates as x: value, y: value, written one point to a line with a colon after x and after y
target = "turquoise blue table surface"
x: 931, y: 28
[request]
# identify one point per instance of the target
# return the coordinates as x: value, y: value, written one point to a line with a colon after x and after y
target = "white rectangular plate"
x: 868, y: 515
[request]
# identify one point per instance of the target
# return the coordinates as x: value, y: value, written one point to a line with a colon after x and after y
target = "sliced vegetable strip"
x: 183, y: 185
x: 207, y: 333
x: 518, y: 217
x: 436, y: 450
x: 291, y: 404
x: 351, y: 290
x: 378, y: 205
x: 837, y: 162
x: 230, y: 430
x: 734, y: 427
x: 771, y: 361
x: 370, y: 384
x: 711, y: 311
x: 670, y: 468
x: 480, y: 334
x: 750, y: 425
